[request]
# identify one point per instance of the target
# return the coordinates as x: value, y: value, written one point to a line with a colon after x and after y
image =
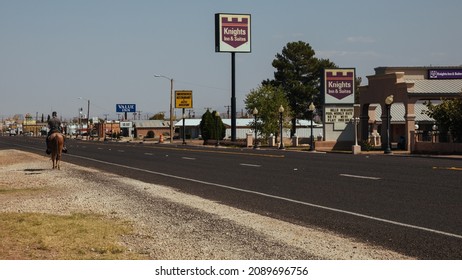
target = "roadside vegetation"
x: 448, y: 117
x: 33, y: 236
x: 39, y: 236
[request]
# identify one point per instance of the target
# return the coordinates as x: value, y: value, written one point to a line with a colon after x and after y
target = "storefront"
x: 408, y: 86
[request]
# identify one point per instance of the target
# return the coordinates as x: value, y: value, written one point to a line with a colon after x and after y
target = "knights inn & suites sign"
x: 125, y: 108
x: 232, y: 33
x: 339, y: 86
x: 440, y: 74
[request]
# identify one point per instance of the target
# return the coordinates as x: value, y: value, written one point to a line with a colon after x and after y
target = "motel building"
x: 411, y: 87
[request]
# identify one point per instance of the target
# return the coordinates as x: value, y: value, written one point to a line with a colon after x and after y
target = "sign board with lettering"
x: 339, y: 86
x: 125, y: 108
x: 340, y: 116
x: 125, y: 124
x: 183, y: 99
x: 232, y: 33
x: 439, y: 74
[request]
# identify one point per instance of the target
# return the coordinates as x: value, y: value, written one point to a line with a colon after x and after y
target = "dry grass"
x: 31, y: 236
x: 34, y: 235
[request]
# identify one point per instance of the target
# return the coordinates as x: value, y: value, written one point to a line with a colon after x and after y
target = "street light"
x: 217, y: 115
x: 281, y: 110
x: 171, y: 104
x: 388, y: 102
x: 255, y: 113
x: 88, y: 116
x: 311, y: 108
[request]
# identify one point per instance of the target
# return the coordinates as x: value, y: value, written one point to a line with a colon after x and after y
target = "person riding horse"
x: 55, y: 126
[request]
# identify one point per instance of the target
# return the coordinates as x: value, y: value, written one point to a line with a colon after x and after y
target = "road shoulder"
x: 168, y: 224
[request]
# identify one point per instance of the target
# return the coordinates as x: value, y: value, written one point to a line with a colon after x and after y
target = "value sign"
x: 125, y: 108
x: 183, y: 99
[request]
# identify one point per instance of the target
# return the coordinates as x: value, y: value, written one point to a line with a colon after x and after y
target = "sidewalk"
x: 287, y: 147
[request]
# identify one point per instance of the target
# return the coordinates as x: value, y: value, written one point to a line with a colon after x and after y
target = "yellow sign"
x: 183, y: 99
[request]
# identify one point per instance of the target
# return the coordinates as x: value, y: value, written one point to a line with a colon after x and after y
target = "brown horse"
x: 56, y: 145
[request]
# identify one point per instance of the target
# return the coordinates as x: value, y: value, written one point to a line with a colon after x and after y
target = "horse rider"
x: 55, y: 126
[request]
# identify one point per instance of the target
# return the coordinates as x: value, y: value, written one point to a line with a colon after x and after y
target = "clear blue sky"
x: 53, y: 52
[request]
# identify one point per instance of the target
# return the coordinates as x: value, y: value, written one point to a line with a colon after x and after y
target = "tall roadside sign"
x: 233, y: 34
x: 339, y: 90
x: 183, y: 100
x: 125, y: 108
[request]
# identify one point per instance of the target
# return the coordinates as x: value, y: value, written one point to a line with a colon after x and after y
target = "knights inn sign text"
x: 232, y: 33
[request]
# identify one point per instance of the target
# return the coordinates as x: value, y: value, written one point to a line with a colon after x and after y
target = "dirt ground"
x: 168, y: 224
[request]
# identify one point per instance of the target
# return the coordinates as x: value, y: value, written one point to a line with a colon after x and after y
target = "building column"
x: 409, y: 117
x: 364, y: 123
x: 383, y: 129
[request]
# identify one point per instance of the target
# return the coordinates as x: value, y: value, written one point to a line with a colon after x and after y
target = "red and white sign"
x: 339, y: 86
x: 232, y: 33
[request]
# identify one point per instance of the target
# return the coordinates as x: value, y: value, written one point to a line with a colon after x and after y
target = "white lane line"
x: 249, y: 165
x: 277, y: 197
x: 188, y: 158
x: 360, y: 177
x: 149, y: 154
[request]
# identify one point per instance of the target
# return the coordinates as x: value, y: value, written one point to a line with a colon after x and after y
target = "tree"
x: 357, y: 92
x: 158, y: 116
x: 448, y: 116
x: 267, y: 99
x: 299, y: 73
x: 208, y: 126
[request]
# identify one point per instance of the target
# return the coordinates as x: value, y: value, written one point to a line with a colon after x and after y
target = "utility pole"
x: 227, y: 111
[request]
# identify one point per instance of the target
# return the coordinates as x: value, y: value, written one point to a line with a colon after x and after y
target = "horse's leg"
x: 54, y: 156
x: 60, y: 151
x: 58, y: 159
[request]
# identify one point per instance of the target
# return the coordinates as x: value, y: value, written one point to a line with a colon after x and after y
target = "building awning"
x: 398, y: 112
x: 435, y: 87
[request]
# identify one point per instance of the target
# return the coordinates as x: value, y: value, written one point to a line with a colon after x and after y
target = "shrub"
x: 366, y: 145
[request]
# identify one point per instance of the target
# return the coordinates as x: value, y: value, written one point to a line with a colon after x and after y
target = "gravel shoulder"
x: 168, y: 224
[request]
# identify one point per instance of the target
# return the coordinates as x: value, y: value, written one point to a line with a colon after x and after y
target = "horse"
x: 57, y: 143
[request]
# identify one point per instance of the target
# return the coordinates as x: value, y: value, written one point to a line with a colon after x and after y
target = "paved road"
x: 409, y: 204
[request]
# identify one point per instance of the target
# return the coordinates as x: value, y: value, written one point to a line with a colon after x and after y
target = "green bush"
x: 366, y: 145
x: 211, y: 125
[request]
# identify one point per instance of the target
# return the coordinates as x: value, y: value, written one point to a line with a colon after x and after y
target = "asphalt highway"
x: 410, y: 204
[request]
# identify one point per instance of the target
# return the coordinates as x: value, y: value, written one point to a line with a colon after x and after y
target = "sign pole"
x: 232, y: 34
x: 233, y: 96
x: 183, y: 100
x: 184, y: 126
